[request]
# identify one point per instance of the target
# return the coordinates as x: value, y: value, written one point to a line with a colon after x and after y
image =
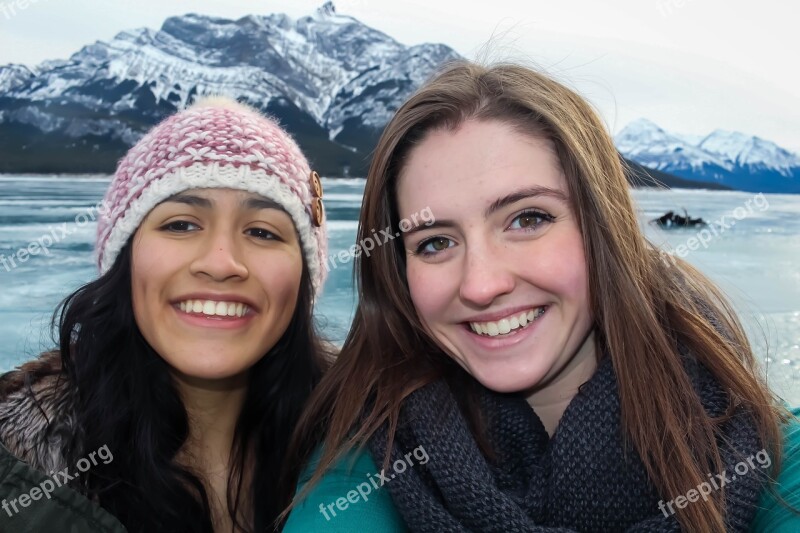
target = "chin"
x: 213, y: 373
x: 216, y: 366
x: 507, y: 382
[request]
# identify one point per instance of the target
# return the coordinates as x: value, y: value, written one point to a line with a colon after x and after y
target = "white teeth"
x: 504, y: 326
x: 507, y: 325
x: 214, y: 308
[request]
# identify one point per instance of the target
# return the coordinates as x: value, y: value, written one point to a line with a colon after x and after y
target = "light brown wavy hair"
x: 643, y: 306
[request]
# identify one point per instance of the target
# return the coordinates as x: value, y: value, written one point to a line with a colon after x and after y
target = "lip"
x: 216, y: 296
x: 497, y: 315
x: 208, y: 322
x: 504, y: 341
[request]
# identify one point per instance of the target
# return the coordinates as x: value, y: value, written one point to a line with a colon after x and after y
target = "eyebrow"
x: 522, y: 194
x: 251, y: 203
x: 434, y: 225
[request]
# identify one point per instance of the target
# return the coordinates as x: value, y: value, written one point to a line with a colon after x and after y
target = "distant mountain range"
x: 331, y: 80
x: 734, y: 159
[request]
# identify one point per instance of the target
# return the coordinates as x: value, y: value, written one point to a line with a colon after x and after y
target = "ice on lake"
x: 754, y: 255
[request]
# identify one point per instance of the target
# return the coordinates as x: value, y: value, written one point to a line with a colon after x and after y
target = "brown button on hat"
x: 317, y: 209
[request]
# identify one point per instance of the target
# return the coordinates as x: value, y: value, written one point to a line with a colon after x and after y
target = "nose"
x: 486, y: 274
x: 219, y: 257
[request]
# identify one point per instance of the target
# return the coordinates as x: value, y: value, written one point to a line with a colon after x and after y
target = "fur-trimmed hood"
x: 37, y: 413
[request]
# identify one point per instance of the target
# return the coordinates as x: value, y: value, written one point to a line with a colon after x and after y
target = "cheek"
x: 156, y: 265
x: 280, y: 279
x: 563, y: 271
x: 150, y: 265
x: 428, y: 290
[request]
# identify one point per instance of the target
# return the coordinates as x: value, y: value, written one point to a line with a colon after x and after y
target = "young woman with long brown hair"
x: 528, y: 362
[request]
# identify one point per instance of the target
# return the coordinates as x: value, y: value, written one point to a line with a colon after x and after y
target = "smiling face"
x: 215, y: 277
x: 500, y: 280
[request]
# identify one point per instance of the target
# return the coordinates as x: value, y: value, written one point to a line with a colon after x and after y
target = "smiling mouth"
x: 509, y: 325
x: 215, y: 309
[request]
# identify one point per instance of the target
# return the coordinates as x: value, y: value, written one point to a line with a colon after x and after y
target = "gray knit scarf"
x: 583, y: 479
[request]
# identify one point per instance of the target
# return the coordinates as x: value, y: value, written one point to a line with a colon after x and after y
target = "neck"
x: 551, y: 399
x: 213, y: 409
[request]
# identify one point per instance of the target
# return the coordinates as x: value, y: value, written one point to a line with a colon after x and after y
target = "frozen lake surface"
x: 753, y: 253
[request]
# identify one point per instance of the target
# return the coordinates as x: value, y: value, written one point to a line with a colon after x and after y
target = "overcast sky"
x: 689, y: 65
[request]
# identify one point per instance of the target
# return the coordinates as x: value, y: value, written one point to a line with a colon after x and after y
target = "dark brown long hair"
x: 127, y: 401
x: 644, y: 307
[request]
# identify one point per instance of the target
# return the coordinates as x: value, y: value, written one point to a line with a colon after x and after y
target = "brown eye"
x: 179, y: 226
x: 530, y: 220
x: 262, y: 234
x: 433, y: 245
x: 440, y: 244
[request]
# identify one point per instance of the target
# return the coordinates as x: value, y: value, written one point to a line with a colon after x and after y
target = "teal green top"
x: 772, y: 516
x: 345, y: 500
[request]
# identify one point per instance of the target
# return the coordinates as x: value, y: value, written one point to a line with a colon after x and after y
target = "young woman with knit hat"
x: 528, y: 362
x: 190, y: 357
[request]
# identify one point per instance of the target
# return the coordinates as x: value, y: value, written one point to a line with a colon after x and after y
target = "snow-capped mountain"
x: 734, y: 159
x: 332, y: 81
x: 646, y: 143
x: 751, y: 152
x: 12, y: 76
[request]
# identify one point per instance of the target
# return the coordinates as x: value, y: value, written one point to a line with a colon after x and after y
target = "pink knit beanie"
x: 216, y: 143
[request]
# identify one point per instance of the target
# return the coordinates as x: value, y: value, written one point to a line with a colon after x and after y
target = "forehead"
x: 210, y: 198
x: 472, y: 166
